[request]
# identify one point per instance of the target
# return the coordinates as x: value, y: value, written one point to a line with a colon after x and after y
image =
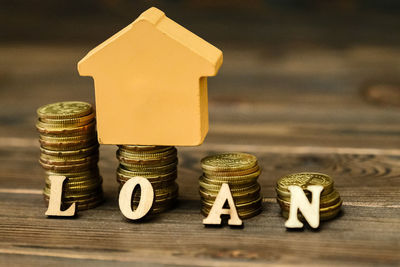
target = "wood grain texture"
x: 302, y: 109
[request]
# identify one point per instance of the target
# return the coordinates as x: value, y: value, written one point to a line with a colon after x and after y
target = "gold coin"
x: 64, y: 162
x: 147, y: 174
x: 286, y: 195
x: 231, y: 173
x: 71, y: 182
x: 64, y: 110
x: 238, y: 199
x: 148, y: 171
x: 252, y: 176
x: 76, y: 180
x: 79, y: 186
x: 134, y: 158
x: 73, y: 197
x: 83, y: 152
x: 154, y: 179
x: 69, y: 121
x: 203, y: 182
x: 155, y: 184
x: 144, y: 149
x: 250, y: 194
x: 68, y: 145
x: 67, y: 124
x: 213, y: 192
x: 72, y: 130
x: 303, y: 180
x: 76, y: 175
x: 68, y: 168
x: 150, y: 168
x: 325, y: 200
x: 215, y: 185
x: 146, y: 161
x: 74, y: 138
x: 141, y: 151
x: 229, y: 162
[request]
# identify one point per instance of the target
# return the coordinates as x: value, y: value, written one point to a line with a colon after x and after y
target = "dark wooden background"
x: 305, y: 86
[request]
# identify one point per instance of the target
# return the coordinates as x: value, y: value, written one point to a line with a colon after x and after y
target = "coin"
x: 240, y: 171
x: 158, y: 154
x: 50, y: 160
x: 69, y: 147
x: 69, y: 121
x: 305, y: 179
x: 67, y: 139
x: 44, y: 128
x: 68, y: 168
x: 144, y: 149
x: 157, y: 164
x: 64, y: 110
x: 325, y: 200
x: 82, y: 152
x: 155, y: 168
x: 75, y: 177
x: 238, y: 178
x: 229, y: 162
x: 231, y: 173
x: 330, y: 201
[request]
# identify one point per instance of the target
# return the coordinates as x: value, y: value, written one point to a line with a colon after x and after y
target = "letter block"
x: 146, y: 198
x: 299, y: 201
x: 54, y: 209
x: 214, y: 217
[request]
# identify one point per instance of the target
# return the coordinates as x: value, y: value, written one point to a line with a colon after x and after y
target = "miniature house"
x: 151, y: 83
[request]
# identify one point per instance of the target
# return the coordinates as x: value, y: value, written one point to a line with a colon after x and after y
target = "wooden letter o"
x: 145, y: 202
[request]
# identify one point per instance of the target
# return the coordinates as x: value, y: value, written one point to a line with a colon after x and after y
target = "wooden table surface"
x: 306, y: 109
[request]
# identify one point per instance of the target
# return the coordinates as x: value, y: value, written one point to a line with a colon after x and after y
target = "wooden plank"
x: 367, y: 231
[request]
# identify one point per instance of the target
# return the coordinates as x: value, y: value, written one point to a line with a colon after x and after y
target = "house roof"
x: 172, y: 29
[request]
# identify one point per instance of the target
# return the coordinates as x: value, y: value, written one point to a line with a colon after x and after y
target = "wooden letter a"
x: 214, y: 217
x: 54, y: 209
x: 299, y: 201
x: 145, y: 202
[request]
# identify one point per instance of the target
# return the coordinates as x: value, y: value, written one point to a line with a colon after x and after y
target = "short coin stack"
x: 158, y: 164
x: 240, y: 171
x: 69, y: 147
x: 330, y: 201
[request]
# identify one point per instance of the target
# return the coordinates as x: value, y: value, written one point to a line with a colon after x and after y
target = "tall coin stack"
x: 240, y: 171
x: 158, y: 164
x: 330, y: 201
x: 69, y: 147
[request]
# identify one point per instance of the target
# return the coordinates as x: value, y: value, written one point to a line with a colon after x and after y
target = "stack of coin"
x: 69, y: 147
x: 240, y: 171
x: 158, y: 164
x: 330, y: 201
